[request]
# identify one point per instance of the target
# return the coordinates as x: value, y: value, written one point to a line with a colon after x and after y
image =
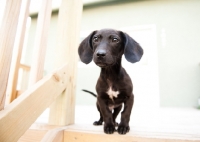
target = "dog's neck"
x: 113, y: 72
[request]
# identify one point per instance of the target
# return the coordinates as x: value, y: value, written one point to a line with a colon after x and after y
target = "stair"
x: 90, y: 133
x: 147, y: 125
x: 36, y: 132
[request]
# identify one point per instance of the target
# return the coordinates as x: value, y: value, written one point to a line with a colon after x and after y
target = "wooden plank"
x: 76, y: 136
x: 36, y: 132
x: 19, y: 43
x: 62, y: 111
x: 43, y: 126
x: 169, y: 123
x: 55, y: 135
x: 25, y: 67
x: 40, y: 46
x: 33, y: 135
x: 89, y: 133
x: 7, y: 37
x: 18, y: 116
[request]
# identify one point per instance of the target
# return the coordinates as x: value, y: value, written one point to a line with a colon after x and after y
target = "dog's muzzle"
x: 102, y: 58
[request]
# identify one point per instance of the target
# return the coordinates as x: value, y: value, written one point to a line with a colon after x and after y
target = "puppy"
x: 114, y: 86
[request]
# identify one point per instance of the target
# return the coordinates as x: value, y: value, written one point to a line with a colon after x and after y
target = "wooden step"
x: 89, y: 133
x: 32, y: 135
x: 147, y: 125
x: 36, y: 132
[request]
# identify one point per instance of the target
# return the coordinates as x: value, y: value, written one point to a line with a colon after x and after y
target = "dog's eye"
x: 95, y: 39
x: 115, y: 40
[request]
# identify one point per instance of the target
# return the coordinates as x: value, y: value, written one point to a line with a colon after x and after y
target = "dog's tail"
x: 90, y: 92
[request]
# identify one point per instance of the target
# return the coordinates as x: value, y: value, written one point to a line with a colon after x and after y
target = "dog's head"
x: 106, y: 46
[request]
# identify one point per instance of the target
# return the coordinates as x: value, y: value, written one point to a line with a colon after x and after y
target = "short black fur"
x: 114, y: 86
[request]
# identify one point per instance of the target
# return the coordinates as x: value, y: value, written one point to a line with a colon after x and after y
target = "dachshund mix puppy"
x: 114, y: 86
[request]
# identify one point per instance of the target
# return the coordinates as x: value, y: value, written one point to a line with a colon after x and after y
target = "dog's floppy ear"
x: 132, y: 50
x: 85, y: 49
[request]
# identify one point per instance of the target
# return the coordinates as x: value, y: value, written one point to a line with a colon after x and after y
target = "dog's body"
x: 114, y: 86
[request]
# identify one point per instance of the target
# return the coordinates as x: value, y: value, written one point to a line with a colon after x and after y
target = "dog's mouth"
x: 101, y: 64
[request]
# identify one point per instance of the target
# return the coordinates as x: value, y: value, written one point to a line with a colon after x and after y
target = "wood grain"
x: 62, y: 111
x: 11, y: 92
x: 7, y: 38
x: 36, y: 132
x: 18, y: 116
x: 55, y: 135
x: 81, y: 136
x: 43, y: 23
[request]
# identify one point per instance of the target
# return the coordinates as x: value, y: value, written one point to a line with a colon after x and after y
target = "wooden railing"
x: 17, y: 117
x: 57, y: 88
x: 19, y: 83
x: 25, y: 73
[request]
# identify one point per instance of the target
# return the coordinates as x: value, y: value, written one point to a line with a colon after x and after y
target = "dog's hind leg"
x: 115, y: 113
x: 101, y: 117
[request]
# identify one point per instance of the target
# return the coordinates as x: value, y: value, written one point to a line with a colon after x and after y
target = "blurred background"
x: 168, y: 30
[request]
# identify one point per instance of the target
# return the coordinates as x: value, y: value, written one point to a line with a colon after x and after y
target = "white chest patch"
x: 112, y: 93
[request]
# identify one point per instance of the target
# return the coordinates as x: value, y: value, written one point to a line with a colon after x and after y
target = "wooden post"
x: 43, y: 23
x: 62, y: 111
x: 7, y: 37
x: 11, y: 92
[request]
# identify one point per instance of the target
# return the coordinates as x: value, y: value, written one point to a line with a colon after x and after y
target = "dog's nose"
x: 101, y: 53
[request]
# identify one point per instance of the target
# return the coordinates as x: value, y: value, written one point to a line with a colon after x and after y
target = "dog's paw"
x: 123, y: 129
x: 109, y: 129
x: 96, y: 123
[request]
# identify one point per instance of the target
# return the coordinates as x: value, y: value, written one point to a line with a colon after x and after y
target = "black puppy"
x: 114, y: 86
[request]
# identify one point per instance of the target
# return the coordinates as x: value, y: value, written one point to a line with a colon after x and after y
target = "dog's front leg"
x: 125, y: 116
x: 109, y: 126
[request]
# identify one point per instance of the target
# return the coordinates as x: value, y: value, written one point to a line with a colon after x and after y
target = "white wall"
x: 178, y: 45
x: 177, y: 24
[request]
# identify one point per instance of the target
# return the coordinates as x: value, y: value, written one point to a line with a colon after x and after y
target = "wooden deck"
x: 170, y: 124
